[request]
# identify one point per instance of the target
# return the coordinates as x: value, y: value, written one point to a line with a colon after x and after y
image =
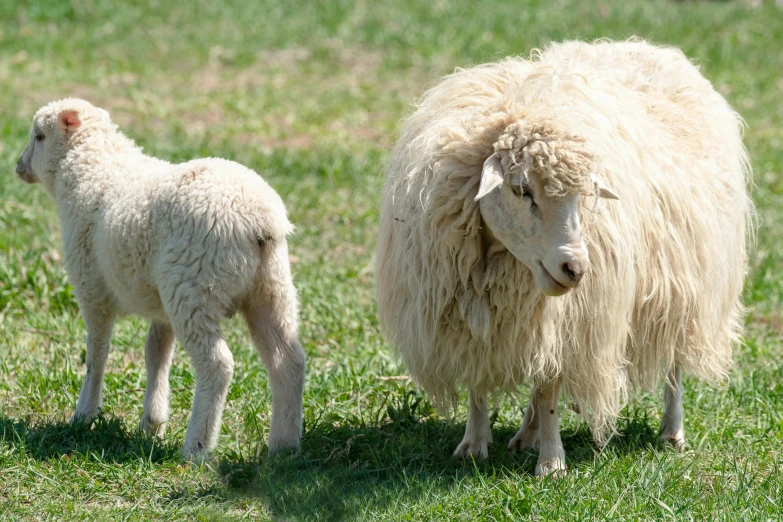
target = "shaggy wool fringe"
x: 667, y: 260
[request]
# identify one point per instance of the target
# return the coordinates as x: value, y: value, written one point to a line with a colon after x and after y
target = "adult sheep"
x: 181, y: 245
x: 493, y: 206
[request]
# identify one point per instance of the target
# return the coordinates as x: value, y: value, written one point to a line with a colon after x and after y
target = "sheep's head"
x: 54, y: 128
x: 529, y: 197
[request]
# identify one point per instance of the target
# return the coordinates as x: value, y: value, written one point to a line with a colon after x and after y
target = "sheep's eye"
x: 39, y: 137
x: 523, y: 191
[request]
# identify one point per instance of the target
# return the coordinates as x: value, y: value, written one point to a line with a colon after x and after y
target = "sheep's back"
x: 671, y: 147
x: 667, y: 143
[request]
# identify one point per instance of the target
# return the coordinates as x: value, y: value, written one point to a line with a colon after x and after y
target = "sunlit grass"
x: 310, y: 95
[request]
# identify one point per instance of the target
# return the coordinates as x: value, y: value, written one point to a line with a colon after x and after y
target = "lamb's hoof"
x: 82, y: 418
x: 552, y: 468
x: 149, y: 428
x: 284, y: 446
x: 676, y: 441
x: 197, y: 456
x: 524, y: 439
x: 477, y: 449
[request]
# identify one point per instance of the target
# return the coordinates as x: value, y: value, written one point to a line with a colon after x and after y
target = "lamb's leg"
x: 99, y: 324
x: 158, y: 353
x: 271, y: 317
x: 478, y: 435
x: 528, y: 432
x: 203, y: 340
x: 672, y: 430
x: 551, y: 457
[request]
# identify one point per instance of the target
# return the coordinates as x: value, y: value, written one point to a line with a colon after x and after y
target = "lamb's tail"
x: 271, y: 312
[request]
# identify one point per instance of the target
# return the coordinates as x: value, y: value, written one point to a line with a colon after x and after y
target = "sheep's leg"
x: 203, y: 340
x: 271, y: 317
x: 672, y: 430
x: 551, y: 457
x: 528, y: 433
x: 478, y: 435
x: 99, y: 327
x: 158, y: 353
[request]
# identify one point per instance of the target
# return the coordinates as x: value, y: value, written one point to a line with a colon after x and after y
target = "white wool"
x: 667, y: 261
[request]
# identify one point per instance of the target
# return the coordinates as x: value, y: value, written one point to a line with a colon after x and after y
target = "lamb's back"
x: 204, y: 214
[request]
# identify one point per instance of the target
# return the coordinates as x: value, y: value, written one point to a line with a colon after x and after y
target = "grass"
x: 310, y: 95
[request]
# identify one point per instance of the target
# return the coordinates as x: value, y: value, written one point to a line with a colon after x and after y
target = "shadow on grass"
x: 349, y: 470
x: 105, y: 437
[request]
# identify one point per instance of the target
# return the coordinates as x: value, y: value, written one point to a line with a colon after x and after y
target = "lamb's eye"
x: 39, y: 137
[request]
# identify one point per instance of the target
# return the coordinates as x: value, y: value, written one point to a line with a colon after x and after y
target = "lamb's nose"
x: 573, y: 271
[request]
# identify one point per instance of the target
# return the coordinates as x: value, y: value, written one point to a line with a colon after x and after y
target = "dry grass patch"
x: 296, y: 98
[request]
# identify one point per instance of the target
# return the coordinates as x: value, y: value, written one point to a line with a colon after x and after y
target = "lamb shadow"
x: 348, y: 469
x: 105, y: 437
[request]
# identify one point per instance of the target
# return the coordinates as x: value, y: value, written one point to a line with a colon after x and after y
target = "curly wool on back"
x: 667, y: 262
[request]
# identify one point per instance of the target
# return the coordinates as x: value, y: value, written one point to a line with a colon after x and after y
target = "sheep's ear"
x: 603, y: 191
x: 491, y: 176
x: 69, y: 120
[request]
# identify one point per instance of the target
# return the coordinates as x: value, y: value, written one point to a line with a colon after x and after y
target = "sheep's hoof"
x: 477, y: 449
x: 676, y: 441
x: 524, y: 439
x: 150, y: 428
x: 553, y: 468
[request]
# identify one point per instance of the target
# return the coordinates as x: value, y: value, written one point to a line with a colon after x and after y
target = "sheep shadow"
x: 104, y: 436
x: 347, y: 470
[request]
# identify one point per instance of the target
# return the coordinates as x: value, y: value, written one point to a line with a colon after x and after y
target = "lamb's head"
x: 530, y: 195
x: 56, y: 127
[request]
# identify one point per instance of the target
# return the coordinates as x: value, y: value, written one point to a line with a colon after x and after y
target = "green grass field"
x: 310, y: 95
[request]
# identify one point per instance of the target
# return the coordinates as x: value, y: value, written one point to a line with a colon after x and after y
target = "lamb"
x: 181, y: 245
x: 499, y: 199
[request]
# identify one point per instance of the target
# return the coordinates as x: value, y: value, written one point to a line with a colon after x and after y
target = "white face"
x: 47, y: 145
x: 541, y: 231
x: 24, y: 167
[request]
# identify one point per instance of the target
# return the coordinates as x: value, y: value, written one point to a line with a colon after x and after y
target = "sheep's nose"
x: 20, y: 169
x: 574, y: 271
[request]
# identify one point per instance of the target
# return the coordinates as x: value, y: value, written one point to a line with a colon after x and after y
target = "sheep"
x: 180, y: 245
x: 499, y: 199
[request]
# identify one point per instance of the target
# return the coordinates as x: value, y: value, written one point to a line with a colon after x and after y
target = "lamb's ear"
x: 69, y: 120
x: 491, y: 176
x: 603, y: 191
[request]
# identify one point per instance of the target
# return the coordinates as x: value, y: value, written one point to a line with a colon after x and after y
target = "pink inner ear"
x: 70, y: 120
